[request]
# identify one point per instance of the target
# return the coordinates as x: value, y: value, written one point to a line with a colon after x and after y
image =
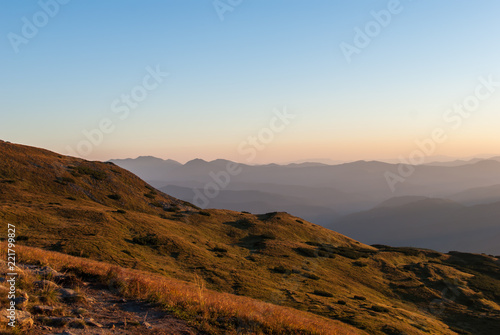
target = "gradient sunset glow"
x: 227, y: 78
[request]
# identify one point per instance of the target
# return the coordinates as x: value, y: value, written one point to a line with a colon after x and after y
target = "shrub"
x: 149, y: 239
x: 48, y: 295
x: 358, y: 297
x: 353, y: 253
x: 311, y: 276
x: 245, y: 221
x: 159, y: 205
x: 149, y: 195
x: 172, y: 208
x: 390, y: 330
x: 323, y: 293
x: 205, y: 213
x: 459, y: 331
x: 64, y: 180
x: 379, y: 309
x: 281, y: 269
x: 121, y: 211
x: 268, y: 236
x: 486, y: 284
x: 307, y: 252
x: 79, y: 253
x: 325, y: 254
x: 219, y: 249
x: 404, y: 250
x: 98, y: 175
x: 360, y: 264
x: 114, y: 196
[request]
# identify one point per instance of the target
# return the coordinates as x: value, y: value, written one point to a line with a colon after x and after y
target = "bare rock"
x: 67, y: 292
x: 80, y: 311
x: 66, y: 332
x: 92, y: 323
x: 24, y: 319
x: 42, y: 309
x: 77, y: 323
x: 71, y: 296
x: 57, y: 321
x: 48, y: 272
x: 22, y: 301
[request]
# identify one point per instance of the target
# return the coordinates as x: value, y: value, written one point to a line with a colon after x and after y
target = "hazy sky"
x: 73, y: 66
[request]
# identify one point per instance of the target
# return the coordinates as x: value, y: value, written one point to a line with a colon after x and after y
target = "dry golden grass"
x: 214, y: 312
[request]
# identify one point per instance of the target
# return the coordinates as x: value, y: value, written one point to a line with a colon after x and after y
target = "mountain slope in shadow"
x: 433, y: 223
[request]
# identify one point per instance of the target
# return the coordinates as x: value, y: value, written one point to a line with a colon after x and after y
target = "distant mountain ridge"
x: 434, y: 223
x: 343, y: 188
x: 478, y: 195
x: 354, y: 198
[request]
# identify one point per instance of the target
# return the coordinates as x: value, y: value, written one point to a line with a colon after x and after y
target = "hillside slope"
x: 88, y: 297
x: 100, y: 211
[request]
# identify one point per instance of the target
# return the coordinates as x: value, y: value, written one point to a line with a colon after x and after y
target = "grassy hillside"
x: 209, y: 311
x: 100, y: 211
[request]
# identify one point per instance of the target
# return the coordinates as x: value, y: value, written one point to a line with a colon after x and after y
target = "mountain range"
x: 443, y: 201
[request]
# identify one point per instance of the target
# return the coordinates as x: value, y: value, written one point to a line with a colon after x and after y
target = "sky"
x: 251, y: 81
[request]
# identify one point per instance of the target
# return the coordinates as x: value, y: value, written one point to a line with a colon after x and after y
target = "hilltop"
x: 100, y: 212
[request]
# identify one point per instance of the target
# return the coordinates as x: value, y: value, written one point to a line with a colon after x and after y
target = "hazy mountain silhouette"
x: 255, y: 201
x: 478, y: 195
x: 363, y: 180
x: 415, y: 214
x: 459, y: 162
x: 400, y: 201
x: 154, y: 168
x: 438, y: 224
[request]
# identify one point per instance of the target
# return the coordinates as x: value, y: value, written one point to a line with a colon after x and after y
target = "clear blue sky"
x: 226, y: 77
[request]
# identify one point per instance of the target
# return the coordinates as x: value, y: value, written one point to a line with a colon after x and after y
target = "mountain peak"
x: 196, y: 162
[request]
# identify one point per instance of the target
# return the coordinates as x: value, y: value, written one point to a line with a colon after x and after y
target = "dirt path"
x: 90, y: 308
x: 120, y: 316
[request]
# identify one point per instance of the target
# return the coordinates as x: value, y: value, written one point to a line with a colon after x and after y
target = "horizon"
x: 325, y: 161
x: 307, y: 81
x: 430, y: 159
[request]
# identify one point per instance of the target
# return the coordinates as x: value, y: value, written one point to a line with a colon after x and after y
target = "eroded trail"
x: 56, y: 303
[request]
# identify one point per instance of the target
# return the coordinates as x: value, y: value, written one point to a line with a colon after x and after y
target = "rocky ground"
x: 50, y: 302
